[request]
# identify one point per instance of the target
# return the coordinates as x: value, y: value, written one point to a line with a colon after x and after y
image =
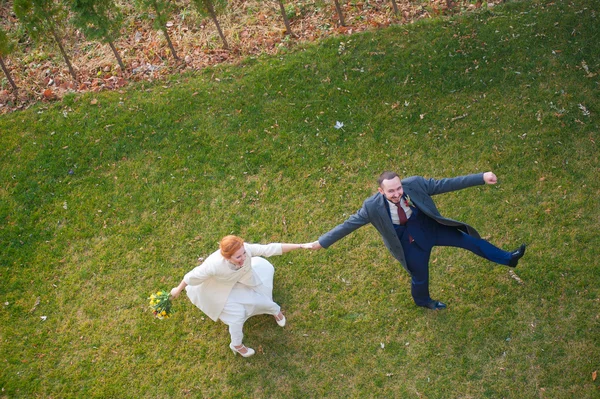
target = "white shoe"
x: 244, y: 351
x: 280, y: 320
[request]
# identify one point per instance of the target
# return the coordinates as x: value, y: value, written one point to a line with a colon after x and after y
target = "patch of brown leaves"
x: 251, y: 27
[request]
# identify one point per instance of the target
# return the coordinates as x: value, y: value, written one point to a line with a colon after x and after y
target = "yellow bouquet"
x: 161, y: 304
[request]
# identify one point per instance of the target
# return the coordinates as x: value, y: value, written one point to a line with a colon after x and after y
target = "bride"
x: 235, y: 283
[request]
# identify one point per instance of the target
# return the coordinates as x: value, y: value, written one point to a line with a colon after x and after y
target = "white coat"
x: 209, y: 284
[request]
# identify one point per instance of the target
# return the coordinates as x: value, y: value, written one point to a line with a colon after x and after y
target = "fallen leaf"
x: 514, y: 276
x: 37, y: 302
x: 94, y: 101
x: 48, y: 94
x: 594, y: 375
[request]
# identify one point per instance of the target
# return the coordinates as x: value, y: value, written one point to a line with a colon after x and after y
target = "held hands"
x: 292, y: 247
x: 490, y: 178
x: 312, y: 245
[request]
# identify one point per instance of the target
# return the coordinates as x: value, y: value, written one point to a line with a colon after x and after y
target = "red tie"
x: 401, y: 214
x: 403, y: 220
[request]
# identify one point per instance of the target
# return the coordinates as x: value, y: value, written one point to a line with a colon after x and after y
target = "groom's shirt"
x: 394, y: 211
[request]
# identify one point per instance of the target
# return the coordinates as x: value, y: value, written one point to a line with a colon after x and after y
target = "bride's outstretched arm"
x: 290, y: 247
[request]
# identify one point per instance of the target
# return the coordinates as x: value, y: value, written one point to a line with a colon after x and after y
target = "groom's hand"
x: 315, y: 245
x: 490, y: 178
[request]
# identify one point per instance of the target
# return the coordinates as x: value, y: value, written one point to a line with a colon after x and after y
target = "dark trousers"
x: 417, y: 254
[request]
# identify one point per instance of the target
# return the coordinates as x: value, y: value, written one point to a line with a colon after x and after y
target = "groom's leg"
x: 452, y: 237
x: 417, y: 262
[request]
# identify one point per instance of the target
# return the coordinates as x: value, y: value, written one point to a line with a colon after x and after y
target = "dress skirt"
x: 244, y: 301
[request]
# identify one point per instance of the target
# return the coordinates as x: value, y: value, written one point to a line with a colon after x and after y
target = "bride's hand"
x: 175, y: 292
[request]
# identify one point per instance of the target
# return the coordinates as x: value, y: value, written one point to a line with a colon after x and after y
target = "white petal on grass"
x: 584, y: 110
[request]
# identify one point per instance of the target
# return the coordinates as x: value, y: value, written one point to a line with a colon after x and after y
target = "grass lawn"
x: 108, y: 197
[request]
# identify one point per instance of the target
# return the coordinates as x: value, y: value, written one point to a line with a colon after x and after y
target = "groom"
x: 406, y: 217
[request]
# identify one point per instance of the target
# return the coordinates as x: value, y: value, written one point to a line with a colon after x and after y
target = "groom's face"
x: 392, y: 189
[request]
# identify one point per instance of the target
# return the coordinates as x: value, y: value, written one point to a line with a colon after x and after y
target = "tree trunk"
x: 164, y: 29
x: 170, y: 44
x: 395, y: 7
x: 119, y: 60
x: 7, y: 73
x: 213, y: 15
x: 288, y: 28
x: 339, y: 11
x: 61, y: 48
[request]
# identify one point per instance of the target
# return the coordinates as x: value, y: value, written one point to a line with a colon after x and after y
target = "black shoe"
x: 516, y: 255
x: 435, y: 305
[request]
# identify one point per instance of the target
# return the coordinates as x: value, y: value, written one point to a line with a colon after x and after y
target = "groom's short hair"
x: 387, y: 175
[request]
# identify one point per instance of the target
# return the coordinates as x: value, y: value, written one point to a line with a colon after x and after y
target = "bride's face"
x: 239, y: 257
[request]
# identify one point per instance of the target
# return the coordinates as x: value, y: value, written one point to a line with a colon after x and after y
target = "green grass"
x: 102, y: 204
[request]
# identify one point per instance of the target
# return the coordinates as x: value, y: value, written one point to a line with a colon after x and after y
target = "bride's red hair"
x: 230, y: 245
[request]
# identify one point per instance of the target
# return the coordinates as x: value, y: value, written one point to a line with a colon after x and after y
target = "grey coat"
x: 374, y: 211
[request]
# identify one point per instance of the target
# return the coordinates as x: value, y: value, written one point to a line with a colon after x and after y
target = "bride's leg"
x: 237, y: 333
x: 236, y: 345
x: 234, y: 316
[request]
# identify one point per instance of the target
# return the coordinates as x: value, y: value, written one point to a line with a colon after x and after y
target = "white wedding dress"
x: 244, y: 301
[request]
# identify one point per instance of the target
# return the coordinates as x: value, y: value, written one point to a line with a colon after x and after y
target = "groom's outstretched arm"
x: 354, y: 222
